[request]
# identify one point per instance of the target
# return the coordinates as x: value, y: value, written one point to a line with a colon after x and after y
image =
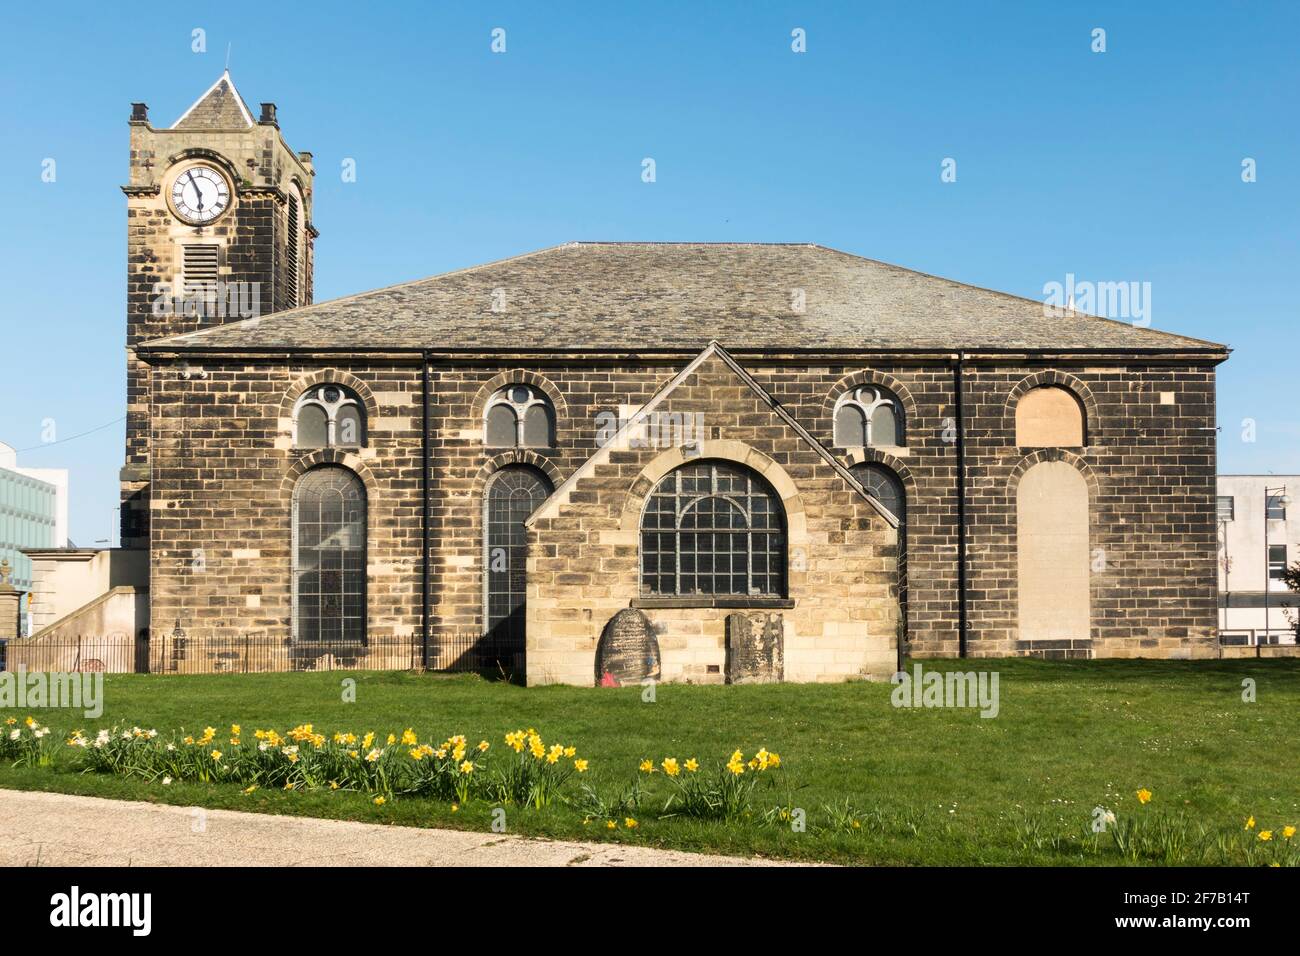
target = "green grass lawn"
x: 928, y: 786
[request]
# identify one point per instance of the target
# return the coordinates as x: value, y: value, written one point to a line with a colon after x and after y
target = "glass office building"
x: 29, y: 518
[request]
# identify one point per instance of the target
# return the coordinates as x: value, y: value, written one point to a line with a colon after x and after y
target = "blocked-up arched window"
x: 519, y: 416
x: 329, y: 416
x: 329, y: 556
x: 868, y: 415
x: 1052, y: 553
x: 1049, y: 417
x: 713, y: 528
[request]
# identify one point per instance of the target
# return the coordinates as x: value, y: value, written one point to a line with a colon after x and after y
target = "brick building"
x: 617, y: 460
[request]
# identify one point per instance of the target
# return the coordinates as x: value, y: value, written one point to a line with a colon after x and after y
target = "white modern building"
x: 33, y: 514
x: 1259, y: 536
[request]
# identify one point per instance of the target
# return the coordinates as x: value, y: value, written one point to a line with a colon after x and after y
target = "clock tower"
x: 219, y: 229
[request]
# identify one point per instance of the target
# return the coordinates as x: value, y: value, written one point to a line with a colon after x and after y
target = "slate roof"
x: 613, y: 296
x: 220, y: 107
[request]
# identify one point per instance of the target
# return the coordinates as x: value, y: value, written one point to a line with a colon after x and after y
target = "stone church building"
x: 604, y: 461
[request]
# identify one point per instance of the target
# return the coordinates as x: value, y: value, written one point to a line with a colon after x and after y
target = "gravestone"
x: 628, y: 651
x: 755, y: 648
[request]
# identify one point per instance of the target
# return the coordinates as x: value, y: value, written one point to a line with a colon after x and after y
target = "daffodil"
x: 630, y: 823
x: 580, y: 766
x: 467, y: 767
x: 248, y: 790
x: 647, y: 766
x: 380, y: 801
x: 1144, y: 795
x: 216, y: 755
x: 483, y: 745
x: 692, y: 765
x: 1266, y: 835
x: 611, y: 825
x: 1250, y: 823
x: 670, y: 766
x: 409, y: 738
x: 1288, y: 832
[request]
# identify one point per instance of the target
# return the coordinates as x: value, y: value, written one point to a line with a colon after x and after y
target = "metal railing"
x: 258, y: 652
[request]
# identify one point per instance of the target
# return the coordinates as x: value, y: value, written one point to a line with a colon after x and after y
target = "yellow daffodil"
x: 1288, y: 832
x: 455, y: 808
x: 611, y: 825
x: 216, y: 755
x: 409, y: 739
x: 580, y: 766
x: 10, y: 721
x: 570, y: 751
x: 630, y: 823
x: 670, y: 766
x: 483, y: 745
x: 1144, y: 795
x: 334, y: 784
x: 30, y: 721
x: 374, y: 755
x: 392, y: 739
x: 367, y: 740
x: 774, y: 760
x: 692, y: 765
x: 234, y: 730
x: 467, y: 767
x: 1266, y: 835
x: 1250, y: 823
x: 248, y: 790
x: 288, y: 785
x: 380, y: 801
x: 647, y: 766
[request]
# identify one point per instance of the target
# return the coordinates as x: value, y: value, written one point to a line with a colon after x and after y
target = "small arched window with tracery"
x: 868, y: 416
x: 329, y: 416
x: 519, y: 416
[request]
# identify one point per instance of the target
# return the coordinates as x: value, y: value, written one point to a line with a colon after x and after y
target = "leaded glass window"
x: 513, y: 493
x: 329, y: 556
x: 713, y: 528
x: 883, y: 485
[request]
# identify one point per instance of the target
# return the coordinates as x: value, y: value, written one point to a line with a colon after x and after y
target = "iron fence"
x: 259, y: 652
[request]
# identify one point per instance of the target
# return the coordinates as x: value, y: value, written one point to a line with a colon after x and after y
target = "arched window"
x: 519, y: 416
x: 329, y: 416
x: 512, y: 494
x: 713, y: 528
x: 868, y: 415
x: 329, y: 556
x: 1049, y: 417
x: 883, y: 485
x: 1053, y: 557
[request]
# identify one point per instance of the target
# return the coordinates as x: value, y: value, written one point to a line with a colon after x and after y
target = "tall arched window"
x: 1049, y: 417
x: 512, y: 494
x: 868, y: 415
x: 329, y: 416
x: 519, y: 416
x: 713, y: 528
x: 883, y: 485
x: 1052, y: 553
x: 329, y: 556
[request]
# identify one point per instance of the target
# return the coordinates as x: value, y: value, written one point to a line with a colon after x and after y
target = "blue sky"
x: 1115, y: 166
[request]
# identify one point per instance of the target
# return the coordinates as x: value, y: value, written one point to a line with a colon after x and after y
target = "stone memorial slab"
x: 755, y: 648
x: 628, y: 652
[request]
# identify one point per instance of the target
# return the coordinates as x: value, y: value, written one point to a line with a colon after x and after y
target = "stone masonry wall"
x: 223, y: 474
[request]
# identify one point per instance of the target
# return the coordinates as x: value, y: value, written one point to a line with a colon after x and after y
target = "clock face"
x: 200, y: 194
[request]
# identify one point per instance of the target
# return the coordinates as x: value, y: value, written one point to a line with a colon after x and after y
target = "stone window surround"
x: 537, y: 398
x: 324, y: 376
x: 347, y: 399
x: 1054, y: 377
x: 737, y: 452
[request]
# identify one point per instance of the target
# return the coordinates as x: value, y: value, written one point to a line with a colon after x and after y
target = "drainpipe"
x: 961, y: 506
x: 425, y: 442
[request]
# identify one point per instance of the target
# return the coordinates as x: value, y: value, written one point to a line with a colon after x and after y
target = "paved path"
x: 54, y: 829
